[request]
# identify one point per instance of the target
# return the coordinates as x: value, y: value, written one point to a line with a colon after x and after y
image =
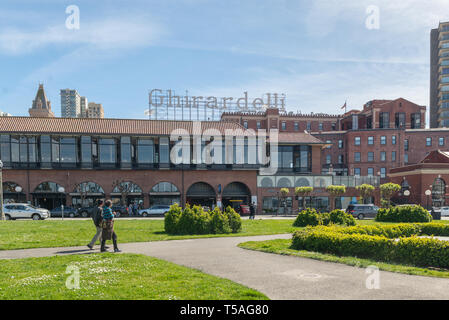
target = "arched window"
x: 284, y: 183
x: 10, y: 187
x: 47, y: 187
x: 88, y: 187
x: 302, y: 182
x: 164, y: 187
x: 267, y: 182
x: 128, y: 187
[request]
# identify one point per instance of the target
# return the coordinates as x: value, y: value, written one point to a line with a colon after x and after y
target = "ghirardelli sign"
x: 168, y: 98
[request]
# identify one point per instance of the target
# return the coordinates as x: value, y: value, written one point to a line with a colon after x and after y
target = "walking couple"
x: 103, y: 218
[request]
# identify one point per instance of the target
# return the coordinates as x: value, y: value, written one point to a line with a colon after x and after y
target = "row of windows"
x: 370, y: 156
x: 295, y: 125
x: 370, y: 140
x: 87, y: 151
x: 370, y: 172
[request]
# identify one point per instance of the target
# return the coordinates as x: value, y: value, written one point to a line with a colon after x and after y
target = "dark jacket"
x: 97, y: 216
x: 252, y: 210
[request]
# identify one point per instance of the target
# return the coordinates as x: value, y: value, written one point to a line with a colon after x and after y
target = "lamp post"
x: 428, y: 193
x: 1, y: 191
x: 18, y: 189
x: 62, y: 190
x: 406, y: 193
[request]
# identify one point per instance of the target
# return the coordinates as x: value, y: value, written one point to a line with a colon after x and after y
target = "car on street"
x: 85, y: 212
x: 243, y: 209
x: 444, y: 211
x: 362, y: 211
x: 156, y: 210
x: 119, y: 210
x: 68, y: 212
x: 24, y: 211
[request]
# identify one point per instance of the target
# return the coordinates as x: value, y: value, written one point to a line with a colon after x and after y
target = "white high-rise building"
x: 70, y: 104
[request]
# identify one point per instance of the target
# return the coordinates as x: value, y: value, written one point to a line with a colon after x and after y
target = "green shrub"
x: 338, y: 216
x: 409, y: 213
x: 172, y: 218
x: 310, y: 217
x: 194, y: 220
x: 235, y: 222
x: 380, y: 243
x: 307, y: 217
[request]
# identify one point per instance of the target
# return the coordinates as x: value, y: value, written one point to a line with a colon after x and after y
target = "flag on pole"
x: 344, y: 106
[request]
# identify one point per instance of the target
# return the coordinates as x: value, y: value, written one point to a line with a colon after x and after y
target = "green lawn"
x: 114, y: 276
x: 282, y: 246
x: 21, y: 234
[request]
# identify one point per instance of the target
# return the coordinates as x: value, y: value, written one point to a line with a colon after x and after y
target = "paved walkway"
x: 277, y: 276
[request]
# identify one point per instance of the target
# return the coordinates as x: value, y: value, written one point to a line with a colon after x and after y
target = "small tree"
x: 365, y: 191
x: 387, y: 190
x: 124, y: 188
x: 335, y: 191
x: 284, y: 193
x: 82, y: 189
x: 303, y: 192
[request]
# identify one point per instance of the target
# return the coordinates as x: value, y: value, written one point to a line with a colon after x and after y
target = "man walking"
x: 252, y: 211
x: 97, y: 217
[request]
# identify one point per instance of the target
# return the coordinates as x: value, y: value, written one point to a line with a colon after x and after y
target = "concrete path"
x: 279, y: 277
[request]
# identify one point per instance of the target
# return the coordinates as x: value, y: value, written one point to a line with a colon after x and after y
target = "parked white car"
x: 24, y: 211
x: 154, y: 210
x: 444, y: 211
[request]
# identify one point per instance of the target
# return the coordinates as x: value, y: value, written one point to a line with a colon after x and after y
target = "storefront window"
x: 145, y: 151
x: 108, y: 152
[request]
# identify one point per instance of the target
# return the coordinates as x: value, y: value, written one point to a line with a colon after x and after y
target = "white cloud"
x: 110, y: 33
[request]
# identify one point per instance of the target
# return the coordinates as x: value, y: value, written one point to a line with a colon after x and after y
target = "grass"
x: 114, y: 276
x: 282, y: 246
x: 22, y: 234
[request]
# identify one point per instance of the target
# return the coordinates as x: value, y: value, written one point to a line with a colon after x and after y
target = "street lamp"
x: 406, y: 193
x: 18, y: 189
x: 2, y: 213
x: 62, y: 190
x: 428, y: 193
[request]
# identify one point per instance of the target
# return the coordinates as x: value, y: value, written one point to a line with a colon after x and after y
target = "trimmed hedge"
x: 410, y: 213
x: 380, y: 243
x: 310, y: 217
x: 194, y: 220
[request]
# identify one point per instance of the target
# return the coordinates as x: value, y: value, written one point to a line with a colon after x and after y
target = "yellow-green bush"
x: 409, y: 213
x: 395, y: 243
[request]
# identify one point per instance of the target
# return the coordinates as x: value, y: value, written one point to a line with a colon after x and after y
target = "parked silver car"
x: 24, y: 211
x: 154, y: 210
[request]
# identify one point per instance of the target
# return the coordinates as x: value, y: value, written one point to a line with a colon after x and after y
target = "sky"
x: 319, y: 53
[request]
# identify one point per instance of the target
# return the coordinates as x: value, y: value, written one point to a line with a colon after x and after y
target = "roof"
x: 101, y: 126
x: 436, y: 156
x: 298, y: 137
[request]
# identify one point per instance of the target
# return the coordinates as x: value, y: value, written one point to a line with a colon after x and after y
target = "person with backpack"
x: 107, y: 225
x: 96, y: 217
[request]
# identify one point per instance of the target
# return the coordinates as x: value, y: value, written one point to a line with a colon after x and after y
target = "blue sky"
x: 319, y: 53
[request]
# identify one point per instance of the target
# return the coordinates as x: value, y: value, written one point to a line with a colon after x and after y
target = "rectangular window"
x: 370, y: 140
x: 399, y: 120
x: 329, y: 142
x: 32, y: 150
x: 309, y: 126
x: 23, y: 150
x: 45, y: 152
x: 145, y: 151
x: 428, y: 142
x: 164, y: 152
x: 356, y: 156
x: 383, y: 140
x: 405, y: 158
x: 55, y: 149
x: 334, y: 126
x: 340, y: 159
x: 384, y: 120
x: 415, y: 120
x: 383, y: 156
x: 125, y: 150
x: 441, y: 141
x: 370, y: 156
x: 5, y: 148
x: 406, y: 145
x: 370, y: 172
x: 340, y: 144
x: 320, y: 126
x: 357, y: 141
x: 355, y: 122
x: 328, y: 159
x: 393, y: 140
x: 258, y: 125
x: 86, y: 149
x: 357, y: 172
x: 67, y: 150
x: 383, y: 172
x: 393, y: 155
x: 245, y: 124
x: 284, y: 125
x: 296, y: 126
x: 107, y: 151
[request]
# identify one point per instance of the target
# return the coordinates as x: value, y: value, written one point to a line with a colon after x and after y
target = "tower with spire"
x: 41, y: 105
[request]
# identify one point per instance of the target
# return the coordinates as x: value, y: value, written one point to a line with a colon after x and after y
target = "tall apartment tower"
x: 84, y: 106
x: 41, y: 106
x: 95, y: 110
x: 70, y: 104
x: 439, y: 76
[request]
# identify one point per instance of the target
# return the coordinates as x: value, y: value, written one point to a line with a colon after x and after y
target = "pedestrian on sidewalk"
x: 108, y: 227
x: 252, y: 211
x: 96, y: 217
